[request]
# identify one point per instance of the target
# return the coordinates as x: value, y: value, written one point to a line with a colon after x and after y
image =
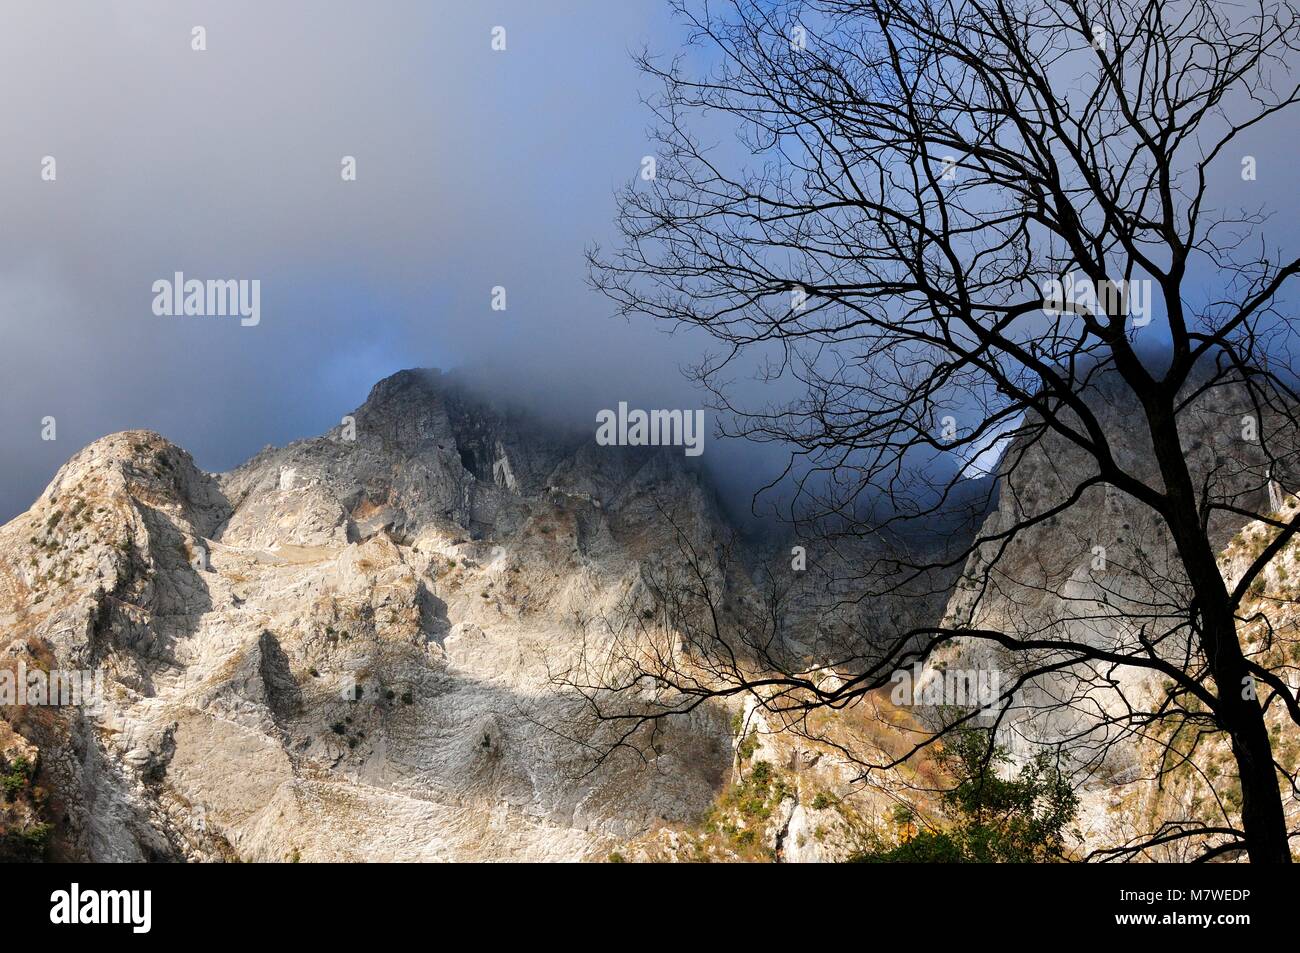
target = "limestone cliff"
x: 345, y: 648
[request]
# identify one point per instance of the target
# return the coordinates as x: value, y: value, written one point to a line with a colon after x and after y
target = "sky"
x: 475, y: 168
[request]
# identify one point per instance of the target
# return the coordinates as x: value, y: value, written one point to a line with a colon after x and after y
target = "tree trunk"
x: 1238, y: 711
x: 1262, y: 816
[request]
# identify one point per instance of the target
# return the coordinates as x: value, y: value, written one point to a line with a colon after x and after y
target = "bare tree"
x: 921, y: 187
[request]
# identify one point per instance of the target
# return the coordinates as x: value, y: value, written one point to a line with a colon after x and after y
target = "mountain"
x: 346, y: 648
x: 1105, y: 572
x: 356, y: 647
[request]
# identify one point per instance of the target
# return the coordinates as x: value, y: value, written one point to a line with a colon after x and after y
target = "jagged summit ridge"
x: 342, y: 649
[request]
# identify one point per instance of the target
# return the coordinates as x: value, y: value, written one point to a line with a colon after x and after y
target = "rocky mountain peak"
x: 352, y: 633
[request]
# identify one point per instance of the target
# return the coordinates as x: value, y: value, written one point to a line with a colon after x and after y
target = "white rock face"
x: 364, y: 666
x: 1103, y: 573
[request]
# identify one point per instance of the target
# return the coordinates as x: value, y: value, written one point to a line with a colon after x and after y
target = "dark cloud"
x: 475, y: 169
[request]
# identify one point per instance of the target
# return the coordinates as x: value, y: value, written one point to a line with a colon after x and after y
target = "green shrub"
x: 1024, y: 819
x: 30, y: 843
x: 13, y: 784
x: 15, y: 779
x: 746, y: 748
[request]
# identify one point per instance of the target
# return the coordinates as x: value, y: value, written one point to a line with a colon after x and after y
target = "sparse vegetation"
x: 988, y: 819
x: 745, y: 750
x: 821, y: 800
x: 743, y: 810
x: 29, y: 843
x: 16, y: 777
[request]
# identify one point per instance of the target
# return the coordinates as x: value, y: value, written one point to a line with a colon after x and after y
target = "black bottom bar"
x: 337, y: 903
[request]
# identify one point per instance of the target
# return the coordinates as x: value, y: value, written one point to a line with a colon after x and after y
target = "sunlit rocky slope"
x: 352, y: 648
x: 345, y: 648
